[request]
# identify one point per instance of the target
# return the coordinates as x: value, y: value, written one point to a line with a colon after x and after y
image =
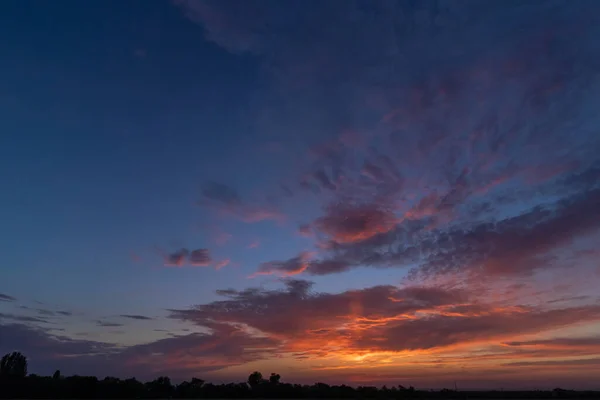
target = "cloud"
x: 222, y: 263
x: 64, y: 313
x: 178, y: 357
x: 379, y: 319
x: 107, y: 324
x: 222, y: 238
x: 255, y: 244
x: 228, y: 201
x: 177, y: 259
x: 22, y: 318
x: 293, y: 266
x: 559, y: 342
x: 454, y: 142
x: 565, y: 363
x: 5, y: 297
x: 517, y: 245
x: 326, y: 267
x: 221, y: 193
x: 344, y: 224
x: 200, y: 258
x: 444, y: 117
x: 195, y: 258
x: 136, y: 317
x: 305, y: 230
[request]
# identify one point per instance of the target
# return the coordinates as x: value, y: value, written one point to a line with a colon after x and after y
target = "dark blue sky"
x: 249, y: 184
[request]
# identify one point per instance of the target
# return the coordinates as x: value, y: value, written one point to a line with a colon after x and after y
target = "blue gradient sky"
x: 336, y: 155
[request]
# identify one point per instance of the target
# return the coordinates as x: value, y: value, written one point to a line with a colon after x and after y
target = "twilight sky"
x: 367, y: 192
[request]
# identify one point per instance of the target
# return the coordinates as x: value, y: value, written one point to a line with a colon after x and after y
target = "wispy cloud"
x: 136, y: 317
x: 108, y: 324
x: 5, y: 297
x: 222, y: 263
x: 228, y: 201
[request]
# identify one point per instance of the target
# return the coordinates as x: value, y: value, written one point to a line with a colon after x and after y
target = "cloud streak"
x: 5, y: 297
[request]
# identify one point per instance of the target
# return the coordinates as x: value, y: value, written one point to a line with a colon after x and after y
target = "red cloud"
x: 347, y: 224
x: 380, y: 319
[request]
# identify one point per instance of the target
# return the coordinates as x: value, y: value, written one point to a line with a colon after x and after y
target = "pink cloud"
x: 222, y: 264
x: 255, y: 244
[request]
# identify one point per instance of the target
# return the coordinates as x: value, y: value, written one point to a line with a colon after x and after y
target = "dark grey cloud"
x: 108, y: 324
x: 177, y: 258
x: 5, y: 297
x: 22, y: 318
x: 222, y: 193
x: 565, y: 363
x: 224, y: 346
x: 292, y: 266
x: 181, y: 257
x: 200, y: 258
x: 137, y: 317
x: 559, y: 342
x: 228, y: 201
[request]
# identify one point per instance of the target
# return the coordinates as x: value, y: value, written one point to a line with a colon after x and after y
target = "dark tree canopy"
x: 274, y: 378
x: 255, y: 379
x: 20, y: 386
x: 13, y: 366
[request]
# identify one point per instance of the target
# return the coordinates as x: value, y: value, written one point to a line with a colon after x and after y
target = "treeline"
x: 15, y: 383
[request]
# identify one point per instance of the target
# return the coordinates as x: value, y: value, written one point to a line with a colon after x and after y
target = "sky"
x: 344, y: 191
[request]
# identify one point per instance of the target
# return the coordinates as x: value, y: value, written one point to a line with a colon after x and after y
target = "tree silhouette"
x: 255, y: 379
x: 13, y: 366
x: 274, y: 378
x: 15, y: 384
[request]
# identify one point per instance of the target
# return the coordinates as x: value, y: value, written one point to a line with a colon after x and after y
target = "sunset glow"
x: 359, y: 192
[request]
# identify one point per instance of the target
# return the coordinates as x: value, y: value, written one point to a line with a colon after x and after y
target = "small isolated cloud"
x: 107, y: 324
x: 136, y: 316
x: 5, y: 297
x: 195, y: 258
x: 255, y: 244
x: 222, y: 263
